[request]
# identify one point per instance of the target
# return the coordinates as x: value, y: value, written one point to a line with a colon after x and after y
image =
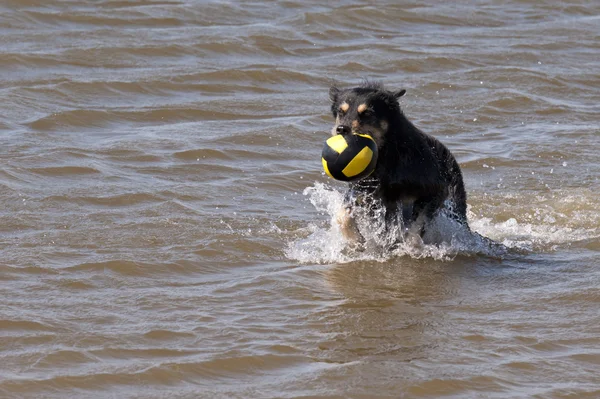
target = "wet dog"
x: 416, y: 176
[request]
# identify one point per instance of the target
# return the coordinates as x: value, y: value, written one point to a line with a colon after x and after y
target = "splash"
x: 444, y: 240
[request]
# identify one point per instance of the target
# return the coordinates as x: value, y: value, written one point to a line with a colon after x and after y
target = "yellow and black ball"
x: 349, y: 157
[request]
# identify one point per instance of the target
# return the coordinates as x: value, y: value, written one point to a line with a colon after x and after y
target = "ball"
x: 349, y: 157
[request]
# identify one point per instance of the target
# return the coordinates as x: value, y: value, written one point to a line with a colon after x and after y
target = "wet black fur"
x: 413, y: 169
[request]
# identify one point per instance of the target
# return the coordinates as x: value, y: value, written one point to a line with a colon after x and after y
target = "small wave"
x: 130, y: 268
x: 167, y: 335
x: 24, y: 325
x: 101, y: 19
x: 444, y: 240
x: 65, y: 170
x: 119, y: 200
x: 88, y: 118
x: 211, y: 154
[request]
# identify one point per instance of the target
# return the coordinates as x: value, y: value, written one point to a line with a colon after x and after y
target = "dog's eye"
x: 344, y: 107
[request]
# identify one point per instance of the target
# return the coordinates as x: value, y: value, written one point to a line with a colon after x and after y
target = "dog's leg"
x: 394, y: 222
x: 348, y: 226
x: 424, y: 210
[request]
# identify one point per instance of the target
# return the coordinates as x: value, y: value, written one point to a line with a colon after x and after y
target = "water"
x: 165, y: 223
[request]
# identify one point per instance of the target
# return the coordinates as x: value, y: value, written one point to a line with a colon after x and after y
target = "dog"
x: 415, y: 177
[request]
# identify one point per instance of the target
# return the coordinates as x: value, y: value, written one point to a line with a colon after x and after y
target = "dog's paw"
x: 348, y: 226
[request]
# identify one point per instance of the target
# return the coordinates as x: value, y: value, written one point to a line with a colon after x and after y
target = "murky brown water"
x: 164, y: 220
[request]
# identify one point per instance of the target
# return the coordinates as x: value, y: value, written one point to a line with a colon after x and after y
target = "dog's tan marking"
x: 345, y: 107
x: 361, y: 108
x: 354, y: 124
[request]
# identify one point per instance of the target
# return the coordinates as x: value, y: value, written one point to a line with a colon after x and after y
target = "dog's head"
x: 367, y: 109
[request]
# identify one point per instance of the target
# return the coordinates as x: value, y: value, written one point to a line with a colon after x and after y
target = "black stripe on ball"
x: 334, y: 161
x: 337, y: 162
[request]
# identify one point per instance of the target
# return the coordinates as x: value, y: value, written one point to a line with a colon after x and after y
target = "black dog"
x: 415, y: 173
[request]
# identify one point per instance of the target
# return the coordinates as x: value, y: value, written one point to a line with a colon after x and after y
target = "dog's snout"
x: 343, y: 129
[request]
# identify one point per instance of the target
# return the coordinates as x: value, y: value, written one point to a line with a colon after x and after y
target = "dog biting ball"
x: 349, y: 157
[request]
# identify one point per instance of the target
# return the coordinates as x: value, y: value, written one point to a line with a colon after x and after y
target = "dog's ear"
x: 399, y: 93
x: 333, y: 93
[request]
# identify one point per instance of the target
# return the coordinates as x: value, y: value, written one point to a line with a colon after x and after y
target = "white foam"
x: 444, y: 240
x: 531, y: 236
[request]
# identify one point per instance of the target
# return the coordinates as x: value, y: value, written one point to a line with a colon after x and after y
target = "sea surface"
x: 165, y: 223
